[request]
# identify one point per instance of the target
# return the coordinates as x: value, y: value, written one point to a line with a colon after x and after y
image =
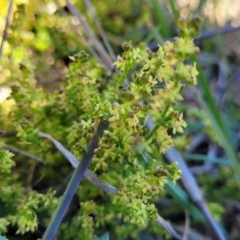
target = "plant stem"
x: 152, y: 131
x: 4, y: 37
x: 174, y: 11
x: 73, y: 184
x: 157, y: 125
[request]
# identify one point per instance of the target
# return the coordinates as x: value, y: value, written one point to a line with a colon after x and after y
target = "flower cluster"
x: 144, y: 85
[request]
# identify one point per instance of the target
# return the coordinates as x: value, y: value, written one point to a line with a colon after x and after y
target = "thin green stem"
x: 165, y: 110
x: 175, y: 84
x: 162, y: 19
x: 174, y: 10
x: 39, y: 122
x: 153, y: 130
x: 73, y: 185
x: 224, y: 138
x: 157, y: 125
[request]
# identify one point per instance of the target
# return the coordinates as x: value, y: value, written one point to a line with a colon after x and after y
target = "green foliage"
x: 19, y: 205
x: 217, y: 210
x: 144, y: 84
x: 6, y: 162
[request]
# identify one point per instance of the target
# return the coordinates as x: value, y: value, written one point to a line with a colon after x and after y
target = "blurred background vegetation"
x: 42, y: 34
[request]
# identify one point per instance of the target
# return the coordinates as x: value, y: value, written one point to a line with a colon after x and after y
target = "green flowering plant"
x: 19, y: 205
x: 143, y: 85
